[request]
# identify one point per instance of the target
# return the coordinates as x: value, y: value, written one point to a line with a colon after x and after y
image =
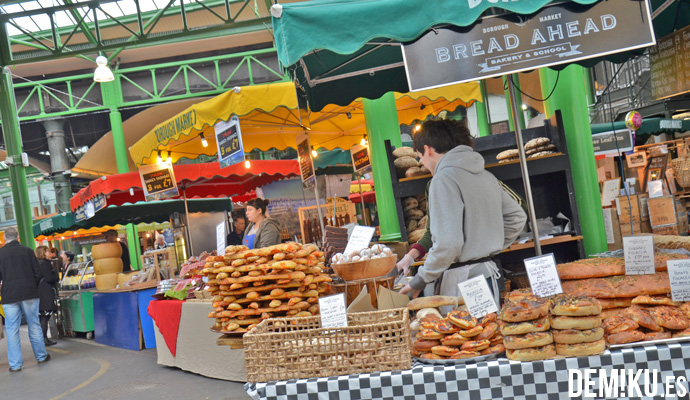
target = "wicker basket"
x: 293, y: 348
x: 681, y: 167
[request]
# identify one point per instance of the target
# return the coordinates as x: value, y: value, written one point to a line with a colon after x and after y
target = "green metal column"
x: 589, y: 87
x: 112, y: 98
x: 13, y: 146
x: 570, y: 98
x: 482, y: 116
x: 518, y: 100
x: 381, y: 117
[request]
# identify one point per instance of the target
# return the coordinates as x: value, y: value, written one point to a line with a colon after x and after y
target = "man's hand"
x: 407, y: 289
x: 404, y: 264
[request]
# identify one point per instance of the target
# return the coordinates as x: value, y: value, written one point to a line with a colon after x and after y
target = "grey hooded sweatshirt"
x: 268, y: 233
x: 471, y: 217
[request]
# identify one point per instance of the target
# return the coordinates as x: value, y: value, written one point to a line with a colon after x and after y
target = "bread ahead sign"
x: 496, y: 46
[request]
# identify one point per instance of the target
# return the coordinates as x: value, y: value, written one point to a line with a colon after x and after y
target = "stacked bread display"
x: 249, y: 286
x: 457, y: 336
x: 524, y: 324
x: 406, y: 163
x: 415, y: 214
x: 576, y: 325
x: 534, y: 148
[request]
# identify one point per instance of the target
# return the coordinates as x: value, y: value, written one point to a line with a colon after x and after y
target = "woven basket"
x: 293, y: 348
x: 681, y: 167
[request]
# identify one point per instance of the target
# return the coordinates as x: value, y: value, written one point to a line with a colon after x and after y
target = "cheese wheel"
x: 106, y: 250
x: 124, y: 277
x: 106, y: 281
x: 111, y: 265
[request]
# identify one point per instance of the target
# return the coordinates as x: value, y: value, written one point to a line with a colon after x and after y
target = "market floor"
x: 81, y: 369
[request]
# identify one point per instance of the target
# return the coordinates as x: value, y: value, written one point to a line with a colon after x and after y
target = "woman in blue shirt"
x: 262, y: 230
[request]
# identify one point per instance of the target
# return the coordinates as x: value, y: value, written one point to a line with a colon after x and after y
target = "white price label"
x: 220, y: 238
x: 543, y: 275
x: 359, y: 239
x: 477, y: 296
x: 679, y: 275
x: 639, y: 255
x: 333, y: 311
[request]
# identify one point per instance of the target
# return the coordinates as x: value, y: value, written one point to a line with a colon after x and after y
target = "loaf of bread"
x: 619, y: 286
x: 434, y: 302
x: 532, y: 354
x: 404, y: 151
x: 602, y: 267
x: 581, y: 349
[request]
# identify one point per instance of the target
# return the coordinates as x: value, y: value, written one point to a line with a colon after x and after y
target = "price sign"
x: 220, y: 238
x: 639, y: 255
x: 229, y: 142
x: 360, y: 157
x: 158, y: 181
x: 477, y: 296
x: 333, y: 311
x: 543, y: 275
x: 360, y: 238
x: 306, y: 163
x: 679, y: 275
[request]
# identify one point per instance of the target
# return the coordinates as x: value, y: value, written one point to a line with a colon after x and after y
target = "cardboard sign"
x: 360, y: 238
x: 333, y: 311
x: 543, y: 275
x: 501, y: 45
x: 639, y: 255
x: 360, y: 157
x: 679, y: 276
x: 220, y: 238
x: 610, y: 191
x: 477, y: 296
x: 306, y: 163
x: 229, y: 142
x: 158, y: 181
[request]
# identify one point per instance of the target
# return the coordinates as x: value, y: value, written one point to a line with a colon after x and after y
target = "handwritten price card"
x: 639, y: 255
x: 543, y: 275
x: 478, y: 297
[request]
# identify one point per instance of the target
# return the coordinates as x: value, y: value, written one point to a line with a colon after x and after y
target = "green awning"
x: 56, y: 223
x: 333, y: 162
x: 650, y: 126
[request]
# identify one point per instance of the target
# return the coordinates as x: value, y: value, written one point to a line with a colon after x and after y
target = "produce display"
x: 249, y: 286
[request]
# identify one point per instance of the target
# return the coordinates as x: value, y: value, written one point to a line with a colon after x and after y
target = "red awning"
x: 205, y: 180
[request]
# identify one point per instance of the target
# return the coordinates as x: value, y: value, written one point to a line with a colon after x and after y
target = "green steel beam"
x: 13, y: 146
x: 243, y: 20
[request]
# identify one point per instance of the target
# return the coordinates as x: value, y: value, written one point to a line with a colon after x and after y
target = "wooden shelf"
x: 545, y: 242
x: 528, y: 160
x: 414, y: 178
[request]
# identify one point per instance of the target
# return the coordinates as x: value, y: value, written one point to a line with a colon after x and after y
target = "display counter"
x: 195, y: 348
x: 121, y: 319
x: 498, y: 379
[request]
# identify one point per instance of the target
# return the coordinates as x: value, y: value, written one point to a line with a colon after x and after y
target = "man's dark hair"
x: 69, y: 255
x: 442, y: 135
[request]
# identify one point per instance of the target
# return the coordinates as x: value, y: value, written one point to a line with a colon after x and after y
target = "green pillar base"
x: 381, y: 117
x: 133, y: 246
x: 570, y: 98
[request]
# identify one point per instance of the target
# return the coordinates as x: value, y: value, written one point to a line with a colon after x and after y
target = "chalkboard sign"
x: 306, y: 164
x: 670, y: 65
x: 229, y: 142
x: 360, y: 157
x: 158, y: 181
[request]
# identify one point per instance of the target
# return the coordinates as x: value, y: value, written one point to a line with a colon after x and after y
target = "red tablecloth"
x: 166, y: 315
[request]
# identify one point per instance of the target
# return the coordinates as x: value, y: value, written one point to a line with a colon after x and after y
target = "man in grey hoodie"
x: 471, y: 218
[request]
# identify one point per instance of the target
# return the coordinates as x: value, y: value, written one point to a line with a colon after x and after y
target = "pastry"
x: 512, y: 153
x: 562, y: 322
x: 532, y: 354
x: 564, y: 304
x: 534, y: 339
x: 520, y: 328
x: 524, y: 309
x: 625, y: 337
x: 571, y: 336
x: 581, y: 349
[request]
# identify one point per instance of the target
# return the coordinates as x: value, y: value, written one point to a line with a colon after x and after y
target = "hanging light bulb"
x: 159, y: 160
x: 169, y: 157
x: 102, y: 72
x: 363, y: 142
x: 314, y: 153
x: 417, y: 127
x: 247, y: 164
x: 204, y: 142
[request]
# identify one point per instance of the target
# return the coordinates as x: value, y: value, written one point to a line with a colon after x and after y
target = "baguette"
x: 434, y: 302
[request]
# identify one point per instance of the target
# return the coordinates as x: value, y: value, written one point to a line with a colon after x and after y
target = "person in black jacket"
x: 20, y: 275
x: 46, y: 291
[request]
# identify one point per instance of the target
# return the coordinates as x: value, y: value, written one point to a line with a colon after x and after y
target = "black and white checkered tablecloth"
x: 498, y: 379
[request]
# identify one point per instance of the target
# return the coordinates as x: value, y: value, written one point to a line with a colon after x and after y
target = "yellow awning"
x: 269, y: 119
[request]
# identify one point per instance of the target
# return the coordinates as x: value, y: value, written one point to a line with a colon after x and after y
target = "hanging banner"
x: 306, y: 164
x: 158, y: 181
x: 80, y: 214
x: 360, y: 157
x: 497, y: 46
x: 229, y: 142
x: 99, y: 203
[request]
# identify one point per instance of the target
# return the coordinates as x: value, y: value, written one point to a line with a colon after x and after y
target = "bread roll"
x: 574, y: 306
x: 581, y: 349
x: 531, y: 354
x: 571, y: 336
x: 425, y: 345
x: 404, y: 151
x: 534, y: 339
x: 656, y: 336
x: 625, y: 337
x: 520, y: 328
x: 416, y: 171
x: 403, y: 163
x: 426, y: 311
x: 524, y: 309
x: 409, y: 203
x: 561, y: 322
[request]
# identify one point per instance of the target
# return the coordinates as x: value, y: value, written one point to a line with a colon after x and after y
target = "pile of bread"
x: 536, y: 147
x: 536, y: 328
x: 249, y: 286
x: 406, y: 163
x: 416, y: 214
x: 649, y: 318
x: 457, y: 335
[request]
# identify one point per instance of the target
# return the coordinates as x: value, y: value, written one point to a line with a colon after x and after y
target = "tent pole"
x: 361, y: 198
x: 523, y: 167
x: 186, y: 217
x: 318, y: 209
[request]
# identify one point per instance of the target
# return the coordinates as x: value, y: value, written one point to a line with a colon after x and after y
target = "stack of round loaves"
x: 576, y: 325
x: 415, y: 213
x: 539, y: 147
x: 251, y: 285
x: 406, y: 163
x: 524, y: 324
x: 508, y: 156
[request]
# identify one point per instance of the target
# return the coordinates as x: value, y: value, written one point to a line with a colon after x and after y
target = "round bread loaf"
x: 533, y: 339
x: 416, y: 171
x: 574, y: 306
x: 409, y: 203
x: 531, y: 354
x: 425, y: 345
x: 416, y: 234
x: 520, y: 328
x: 525, y: 309
x: 405, y: 162
x: 404, y: 151
x: 507, y: 154
x: 573, y: 336
x: 537, y: 142
x: 562, y: 322
x: 581, y: 349
x: 625, y: 337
